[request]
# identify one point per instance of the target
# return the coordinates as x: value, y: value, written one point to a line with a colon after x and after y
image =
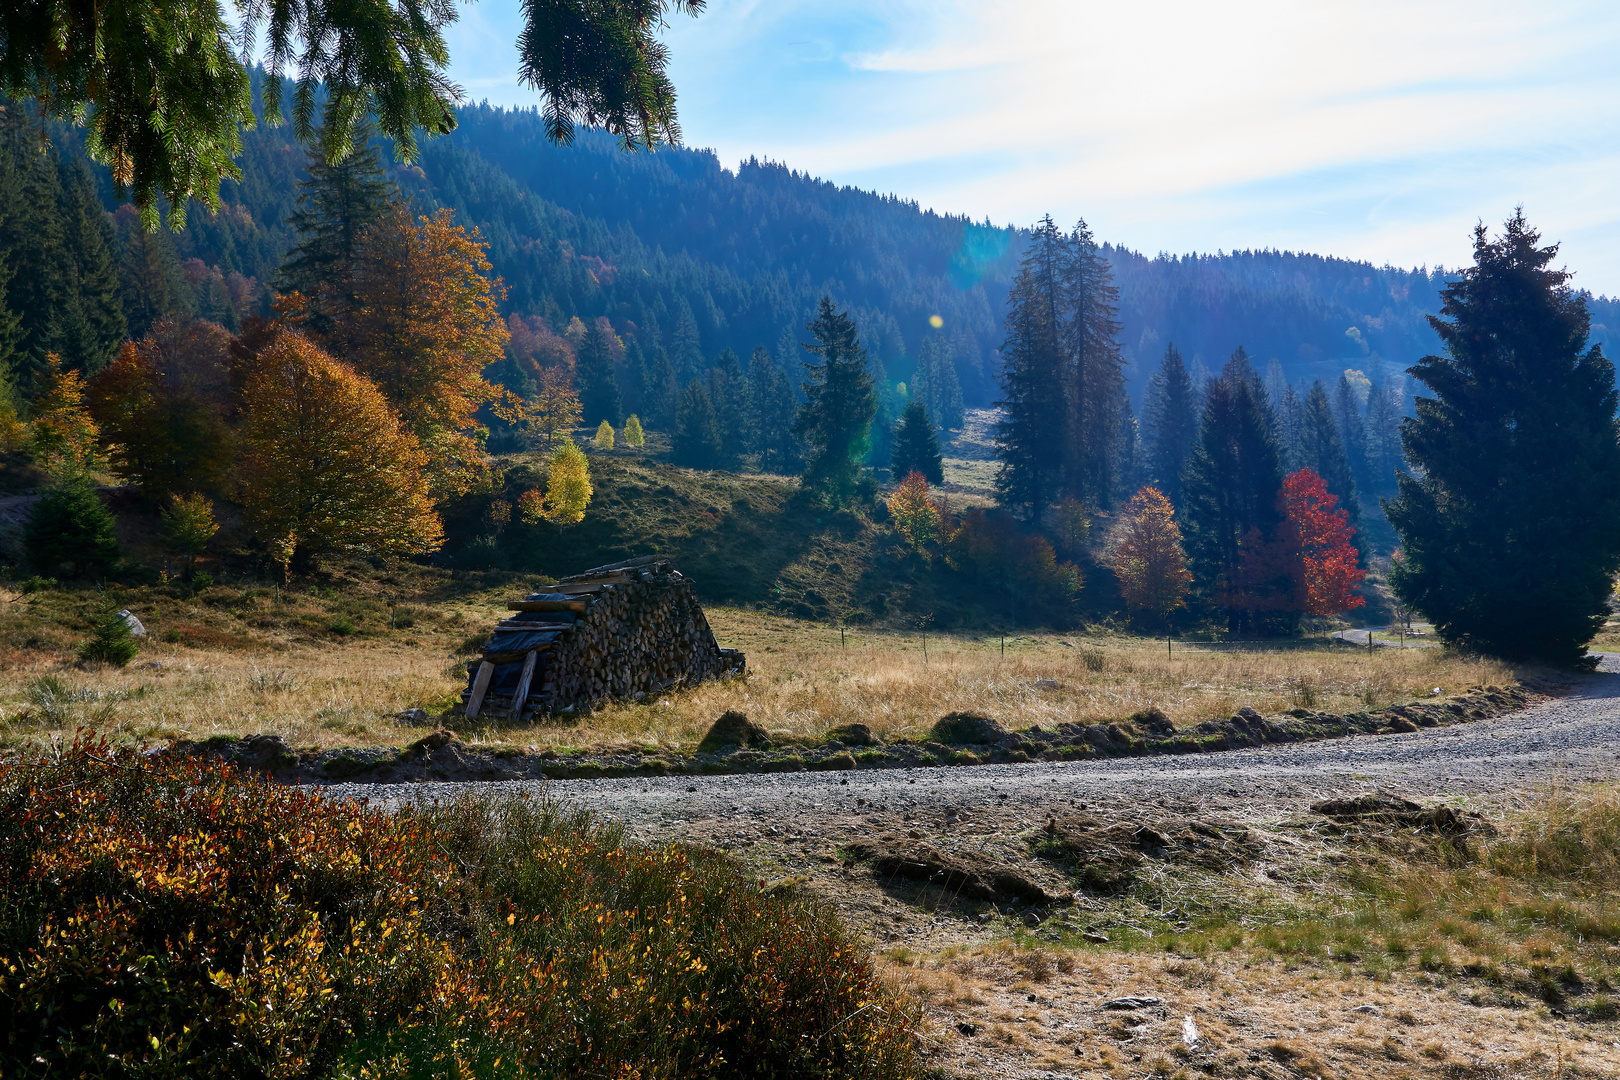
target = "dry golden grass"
x: 271, y: 664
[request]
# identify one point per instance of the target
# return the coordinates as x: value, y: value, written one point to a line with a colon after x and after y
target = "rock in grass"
x: 960, y: 727
x: 734, y: 729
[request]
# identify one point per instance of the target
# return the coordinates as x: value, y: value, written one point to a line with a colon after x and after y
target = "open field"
x: 323, y: 668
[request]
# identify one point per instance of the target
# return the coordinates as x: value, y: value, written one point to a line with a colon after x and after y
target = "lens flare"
x: 935, y: 321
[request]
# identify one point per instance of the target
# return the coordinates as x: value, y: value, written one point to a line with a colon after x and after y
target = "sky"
x: 1371, y: 129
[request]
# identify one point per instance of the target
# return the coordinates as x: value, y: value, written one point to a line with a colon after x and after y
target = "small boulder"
x: 734, y: 729
x: 853, y: 735
x: 960, y: 727
x: 134, y: 624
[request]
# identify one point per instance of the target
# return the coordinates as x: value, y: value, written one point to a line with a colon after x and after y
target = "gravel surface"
x: 1573, y: 738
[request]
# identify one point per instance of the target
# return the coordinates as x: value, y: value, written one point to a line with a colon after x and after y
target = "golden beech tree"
x: 62, y: 434
x: 633, y: 435
x: 1148, y: 560
x: 327, y: 463
x: 423, y: 325
x: 914, y: 513
x: 555, y: 409
x: 568, y: 491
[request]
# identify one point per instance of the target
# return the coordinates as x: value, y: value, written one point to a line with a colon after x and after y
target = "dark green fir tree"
x: 599, y: 397
x: 695, y: 442
x: 1030, y: 436
x: 1510, y: 519
x: 1170, y: 423
x: 916, y: 446
x: 1320, y: 450
x: 840, y: 403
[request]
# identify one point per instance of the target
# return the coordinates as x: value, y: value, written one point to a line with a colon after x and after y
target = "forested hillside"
x: 679, y: 251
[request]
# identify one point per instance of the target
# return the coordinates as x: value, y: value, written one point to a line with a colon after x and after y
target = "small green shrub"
x: 341, y: 626
x: 111, y: 643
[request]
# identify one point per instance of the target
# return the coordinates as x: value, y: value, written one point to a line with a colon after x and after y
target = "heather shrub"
x: 159, y: 916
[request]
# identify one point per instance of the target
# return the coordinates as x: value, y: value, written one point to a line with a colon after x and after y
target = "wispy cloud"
x: 1379, y: 130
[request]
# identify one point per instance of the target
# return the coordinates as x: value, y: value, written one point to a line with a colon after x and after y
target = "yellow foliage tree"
x: 62, y: 434
x: 424, y: 324
x: 604, y: 436
x: 327, y: 462
x: 188, y: 525
x: 568, y: 491
x: 633, y: 435
x: 914, y: 513
x: 1148, y: 561
x: 531, y: 507
x: 555, y: 409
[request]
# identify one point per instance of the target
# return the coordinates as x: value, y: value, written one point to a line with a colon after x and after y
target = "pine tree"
x: 780, y: 450
x: 1510, y: 519
x: 336, y: 205
x: 89, y: 240
x: 598, y: 386
x: 1352, y: 431
x: 696, y: 440
x: 1383, y: 424
x: 757, y: 412
x: 71, y: 526
x: 1290, y: 429
x: 1030, y: 437
x: 151, y: 285
x: 1230, y: 490
x: 1171, y: 422
x: 1321, y: 451
x: 935, y: 382
x: 835, y: 421
x: 685, y: 347
x: 635, y: 377
x: 916, y: 446
x: 728, y: 392
x: 1089, y: 304
x: 663, y: 391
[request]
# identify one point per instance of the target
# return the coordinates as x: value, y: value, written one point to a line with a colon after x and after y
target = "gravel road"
x: 1574, y: 738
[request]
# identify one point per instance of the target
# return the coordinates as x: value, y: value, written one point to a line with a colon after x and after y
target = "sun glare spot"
x: 935, y: 321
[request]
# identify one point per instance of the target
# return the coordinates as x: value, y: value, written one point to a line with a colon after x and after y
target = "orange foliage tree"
x: 327, y: 463
x: 914, y: 513
x: 1148, y: 560
x: 555, y: 409
x: 424, y: 324
x: 162, y: 404
x: 62, y: 435
x: 1323, y: 538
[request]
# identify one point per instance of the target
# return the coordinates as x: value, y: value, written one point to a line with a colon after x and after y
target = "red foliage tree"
x: 1321, y: 536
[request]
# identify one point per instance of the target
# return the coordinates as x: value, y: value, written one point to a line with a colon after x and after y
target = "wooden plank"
x: 546, y: 605
x: 627, y: 564
x: 520, y: 696
x: 586, y: 587
x: 479, y: 689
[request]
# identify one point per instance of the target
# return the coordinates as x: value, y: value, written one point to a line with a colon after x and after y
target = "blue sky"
x: 1375, y: 130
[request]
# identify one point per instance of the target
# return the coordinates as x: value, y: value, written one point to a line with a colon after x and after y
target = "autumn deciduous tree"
x: 633, y: 435
x: 568, y: 490
x: 1324, y: 541
x: 1148, y: 561
x: 423, y: 325
x: 161, y: 405
x: 604, y: 436
x: 62, y: 435
x: 914, y: 513
x: 327, y: 463
x: 555, y: 409
x: 188, y: 524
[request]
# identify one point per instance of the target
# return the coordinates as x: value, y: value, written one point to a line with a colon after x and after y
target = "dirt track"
x: 1573, y: 738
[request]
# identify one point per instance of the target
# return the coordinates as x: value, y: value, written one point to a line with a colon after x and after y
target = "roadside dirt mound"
x: 987, y: 880
x: 1384, y: 808
x: 734, y: 729
x: 1104, y: 855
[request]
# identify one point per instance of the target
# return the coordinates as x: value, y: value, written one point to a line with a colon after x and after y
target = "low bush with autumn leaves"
x: 159, y: 917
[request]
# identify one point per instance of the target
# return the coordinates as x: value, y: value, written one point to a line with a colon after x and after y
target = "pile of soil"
x: 1104, y: 856
x: 982, y: 879
x: 1384, y: 808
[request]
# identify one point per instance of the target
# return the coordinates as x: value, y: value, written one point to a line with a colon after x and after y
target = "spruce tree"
x: 1352, y: 430
x: 1321, y: 451
x: 836, y: 419
x: 696, y: 439
x: 1510, y: 519
x: 663, y: 392
x: 1089, y: 308
x: 757, y: 410
x: 151, y: 285
x: 916, y: 446
x: 780, y: 450
x: 1170, y: 420
x: 1290, y: 430
x: 935, y: 383
x: 636, y: 377
x: 1030, y: 437
x: 1383, y: 424
x: 729, y: 393
x: 89, y: 241
x: 685, y: 348
x: 336, y: 204
x: 1230, y: 488
x: 599, y: 396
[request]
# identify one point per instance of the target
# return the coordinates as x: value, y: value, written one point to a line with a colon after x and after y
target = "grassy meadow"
x: 334, y: 665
